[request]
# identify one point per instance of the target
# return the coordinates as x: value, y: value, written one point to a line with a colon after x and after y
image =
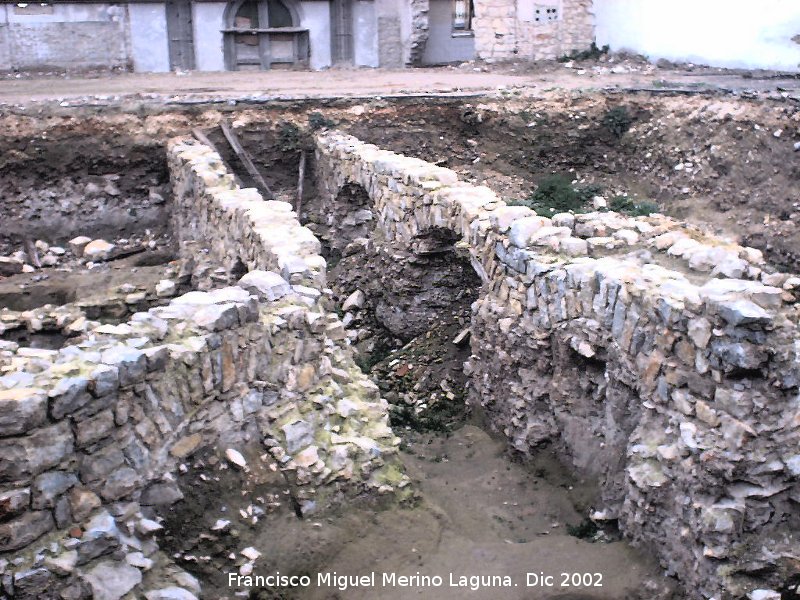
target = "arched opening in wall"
x: 237, y: 270
x: 348, y: 221
x: 265, y: 34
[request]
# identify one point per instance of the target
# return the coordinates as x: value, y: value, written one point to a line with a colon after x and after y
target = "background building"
x: 209, y: 35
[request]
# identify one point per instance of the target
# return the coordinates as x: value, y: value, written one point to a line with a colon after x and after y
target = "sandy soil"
x: 482, y: 515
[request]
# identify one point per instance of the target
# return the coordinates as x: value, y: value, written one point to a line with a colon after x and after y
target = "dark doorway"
x: 342, y: 32
x: 181, y: 38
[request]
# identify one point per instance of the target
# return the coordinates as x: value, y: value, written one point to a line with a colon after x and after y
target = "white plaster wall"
x: 148, y: 33
x: 723, y: 33
x: 406, y: 25
x: 365, y: 34
x: 316, y: 17
x: 69, y: 13
x: 87, y: 35
x: 5, y: 48
x: 208, y: 21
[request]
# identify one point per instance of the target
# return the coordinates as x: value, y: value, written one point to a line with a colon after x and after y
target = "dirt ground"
x: 609, y: 73
x: 476, y: 513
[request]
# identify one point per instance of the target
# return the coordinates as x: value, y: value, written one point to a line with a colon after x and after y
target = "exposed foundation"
x: 320, y: 362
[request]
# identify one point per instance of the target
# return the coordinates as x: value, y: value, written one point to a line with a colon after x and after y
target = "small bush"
x: 556, y: 194
x: 585, y: 530
x: 290, y: 138
x: 617, y: 120
x: 317, y: 121
x: 626, y: 205
x: 593, y: 53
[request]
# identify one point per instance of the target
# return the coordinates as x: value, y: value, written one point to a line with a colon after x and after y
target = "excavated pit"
x: 68, y: 182
x: 406, y: 310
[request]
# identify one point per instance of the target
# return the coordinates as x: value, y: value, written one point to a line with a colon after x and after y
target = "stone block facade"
x: 505, y: 30
x: 658, y: 360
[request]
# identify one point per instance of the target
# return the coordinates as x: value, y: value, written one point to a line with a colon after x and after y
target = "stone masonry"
x: 661, y: 361
x: 87, y: 431
x: 503, y: 31
x: 420, y: 25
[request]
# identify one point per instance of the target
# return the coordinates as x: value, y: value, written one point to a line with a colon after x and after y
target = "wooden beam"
x: 300, y: 180
x: 203, y: 139
x: 243, y: 156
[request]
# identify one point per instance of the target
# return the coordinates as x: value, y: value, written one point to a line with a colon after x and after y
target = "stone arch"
x: 292, y: 7
x: 350, y: 217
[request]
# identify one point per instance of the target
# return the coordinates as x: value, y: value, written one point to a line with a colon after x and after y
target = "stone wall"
x: 87, y: 431
x: 505, y: 29
x: 419, y: 31
x: 659, y: 360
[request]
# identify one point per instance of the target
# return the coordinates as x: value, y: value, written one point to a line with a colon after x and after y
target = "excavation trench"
x: 479, y: 517
x: 481, y: 502
x: 407, y: 311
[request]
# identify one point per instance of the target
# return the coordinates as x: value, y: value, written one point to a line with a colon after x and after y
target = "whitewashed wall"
x: 723, y: 33
x: 64, y: 36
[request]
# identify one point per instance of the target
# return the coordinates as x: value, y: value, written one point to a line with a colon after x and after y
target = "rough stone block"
x: 68, y: 395
x: 161, y: 494
x: 82, y: 502
x: 47, y: 487
x: 13, y: 502
x: 121, y: 482
x: 22, y: 409
x: 25, y: 530
x: 100, y: 464
x: 267, y: 285
x: 95, y: 428
x: 10, y: 266
x: 216, y: 317
x: 112, y: 580
x: 131, y: 363
x: 30, y: 455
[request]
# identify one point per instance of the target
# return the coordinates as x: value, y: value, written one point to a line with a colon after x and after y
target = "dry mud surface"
x: 476, y: 513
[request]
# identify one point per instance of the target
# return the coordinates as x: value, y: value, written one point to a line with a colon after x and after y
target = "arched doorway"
x: 264, y: 34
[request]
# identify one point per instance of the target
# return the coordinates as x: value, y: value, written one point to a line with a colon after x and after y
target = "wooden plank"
x: 243, y: 156
x: 203, y: 139
x: 33, y: 254
x: 300, y: 179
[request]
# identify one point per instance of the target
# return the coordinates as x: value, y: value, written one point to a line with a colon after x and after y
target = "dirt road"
x: 372, y: 82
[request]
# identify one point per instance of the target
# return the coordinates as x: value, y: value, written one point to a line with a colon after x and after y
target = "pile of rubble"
x: 81, y: 251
